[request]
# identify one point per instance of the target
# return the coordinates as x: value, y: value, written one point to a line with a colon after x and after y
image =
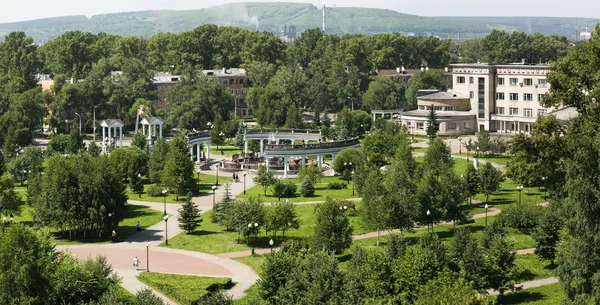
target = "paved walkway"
x: 166, y: 260
x: 531, y: 284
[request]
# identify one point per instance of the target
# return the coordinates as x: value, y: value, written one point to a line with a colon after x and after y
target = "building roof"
x: 440, y: 114
x: 225, y: 72
x: 406, y: 72
x: 443, y: 96
x: 112, y: 123
x: 165, y: 77
x: 150, y: 120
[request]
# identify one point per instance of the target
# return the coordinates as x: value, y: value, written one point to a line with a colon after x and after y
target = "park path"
x: 531, y: 284
x: 167, y: 260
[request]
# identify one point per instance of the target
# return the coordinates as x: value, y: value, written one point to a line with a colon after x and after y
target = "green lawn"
x: 184, y: 289
x: 544, y: 295
x: 212, y: 238
x: 255, y: 262
x: 508, y: 195
x: 498, y: 159
x: 321, y: 191
x: 206, y: 183
x: 533, y: 268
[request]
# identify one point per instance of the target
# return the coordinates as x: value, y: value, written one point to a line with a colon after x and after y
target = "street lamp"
x: 271, y: 243
x: 431, y: 222
x: 77, y: 114
x: 198, y: 171
x: 245, y: 183
x: 520, y: 188
x: 147, y: 257
x: 164, y: 192
x: 459, y: 145
x: 486, y: 209
x: 218, y: 165
x: 544, y: 185
x: 353, y: 183
x: 221, y: 134
x: 214, y: 189
x: 252, y: 229
x: 166, y: 218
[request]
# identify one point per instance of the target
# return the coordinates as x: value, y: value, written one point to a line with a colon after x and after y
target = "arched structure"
x: 274, y: 136
x: 195, y: 140
x: 111, y: 126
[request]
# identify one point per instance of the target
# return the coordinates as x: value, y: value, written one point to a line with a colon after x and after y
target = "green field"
x: 321, y: 191
x: 206, y: 183
x: 184, y: 289
x: 533, y: 268
x: 544, y: 295
x: 498, y: 159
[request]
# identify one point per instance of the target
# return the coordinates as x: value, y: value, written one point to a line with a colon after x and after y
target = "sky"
x: 33, y: 9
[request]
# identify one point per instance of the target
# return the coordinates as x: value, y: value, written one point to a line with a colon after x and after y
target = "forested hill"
x: 274, y: 16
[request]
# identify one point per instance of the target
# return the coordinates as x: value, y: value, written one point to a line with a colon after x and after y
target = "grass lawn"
x: 126, y: 295
x: 533, y: 268
x: 508, y: 195
x: 212, y: 238
x: 544, y: 295
x: 498, y: 159
x: 255, y: 262
x: 206, y: 183
x: 184, y: 289
x: 321, y: 191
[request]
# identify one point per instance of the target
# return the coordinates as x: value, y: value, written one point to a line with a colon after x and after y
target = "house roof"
x: 151, y: 120
x: 225, y: 72
x: 443, y: 96
x: 112, y: 123
x: 407, y: 72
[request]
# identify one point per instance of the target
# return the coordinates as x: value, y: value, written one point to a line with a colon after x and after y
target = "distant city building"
x: 236, y: 80
x: 585, y: 35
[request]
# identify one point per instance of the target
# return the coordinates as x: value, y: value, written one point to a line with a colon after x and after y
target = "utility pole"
x: 95, y: 123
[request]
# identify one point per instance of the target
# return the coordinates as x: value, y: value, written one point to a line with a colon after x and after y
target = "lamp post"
x: 520, y: 189
x: 252, y: 229
x: 271, y: 243
x: 221, y: 134
x: 353, y: 183
x: 544, y: 185
x: 218, y: 165
x: 166, y: 218
x: 147, y: 257
x: 486, y: 209
x: 430, y: 222
x: 164, y: 192
x: 245, y: 182
x: 77, y: 114
x: 198, y: 171
x: 459, y: 145
x: 214, y: 189
x: 95, y: 123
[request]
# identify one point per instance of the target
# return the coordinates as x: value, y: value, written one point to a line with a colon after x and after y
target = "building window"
x: 528, y: 81
x: 437, y: 108
x: 514, y: 81
x: 420, y: 126
x: 541, y: 97
x: 481, y: 100
x: 460, y: 79
x: 528, y: 97
x: 528, y: 112
x: 542, y: 82
x: 421, y: 107
x: 451, y: 108
x: 514, y: 96
x: 470, y: 79
x: 542, y: 112
x: 499, y: 110
x: 500, y: 96
x: 500, y: 81
x: 513, y: 111
x: 471, y: 94
x: 451, y: 126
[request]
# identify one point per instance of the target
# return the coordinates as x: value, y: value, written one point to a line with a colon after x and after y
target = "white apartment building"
x: 504, y: 97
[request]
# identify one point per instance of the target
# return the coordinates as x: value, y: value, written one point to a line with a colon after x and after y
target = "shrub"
x: 154, y: 190
x: 522, y: 216
x: 284, y: 189
x: 307, y: 188
x: 337, y: 185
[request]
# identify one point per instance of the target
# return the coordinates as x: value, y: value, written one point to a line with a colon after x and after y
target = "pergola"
x: 111, y: 124
x: 152, y: 122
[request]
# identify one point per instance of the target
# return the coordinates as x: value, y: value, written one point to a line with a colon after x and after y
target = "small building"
x: 164, y: 81
x: 452, y: 110
x: 236, y: 80
x: 110, y: 138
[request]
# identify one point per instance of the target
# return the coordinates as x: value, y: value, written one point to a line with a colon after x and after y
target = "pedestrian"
x: 136, y: 263
x: 138, y: 226
x: 114, y: 236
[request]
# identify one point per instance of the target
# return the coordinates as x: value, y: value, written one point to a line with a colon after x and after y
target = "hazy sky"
x: 34, y: 9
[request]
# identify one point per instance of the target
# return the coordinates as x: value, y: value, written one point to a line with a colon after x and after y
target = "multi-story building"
x: 405, y: 74
x: 500, y: 97
x: 236, y: 81
x: 164, y: 81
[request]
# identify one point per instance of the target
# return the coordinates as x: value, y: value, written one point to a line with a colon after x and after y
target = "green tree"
x: 384, y: 93
x: 239, y: 136
x: 500, y: 267
x: 344, y: 163
x: 189, y: 215
x: 10, y: 202
x: 158, y: 158
x: 312, y: 172
x: 307, y: 187
x: 214, y: 298
x: 146, y: 297
x: 75, y: 142
x: 438, y: 158
x: 472, y: 181
x: 432, y: 125
x: 94, y: 149
x: 376, y: 212
x: 490, y: 179
x: 447, y: 288
x: 136, y: 184
x: 368, y: 277
x: 282, y: 216
x: 547, y: 235
x: 264, y: 178
x: 178, y: 173
x: 333, y: 232
x: 140, y: 141
x: 465, y: 257
x: 242, y: 213
x: 274, y: 274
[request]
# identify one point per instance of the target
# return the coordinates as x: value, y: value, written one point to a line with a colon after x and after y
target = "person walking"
x: 136, y: 263
x: 138, y: 226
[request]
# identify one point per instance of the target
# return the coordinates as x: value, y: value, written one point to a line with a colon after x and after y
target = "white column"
x: 109, y: 135
x: 246, y: 147
x: 103, y: 139
x: 121, y: 136
x: 262, y: 149
x: 332, y: 170
x: 198, y: 152
x: 192, y: 152
x: 286, y: 166
x: 320, y: 161
x: 160, y: 130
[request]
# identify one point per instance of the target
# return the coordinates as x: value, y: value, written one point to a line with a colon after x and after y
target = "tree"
x: 438, y: 158
x: 158, y: 158
x: 311, y: 172
x: 241, y: 213
x: 384, y: 93
x: 432, y: 125
x: 264, y: 178
x: 94, y: 149
x: 282, y: 216
x: 307, y: 188
x: 500, y: 267
x: 146, y: 297
x: 189, y: 215
x: 465, y: 257
x: 547, y: 235
x: 136, y: 184
x: 239, y: 136
x: 140, y: 141
x: 333, y: 232
x: 75, y: 142
x: 10, y: 202
x: 274, y: 274
x: 178, y: 173
x: 376, y: 209
x: 344, y: 163
x: 447, y: 288
x: 368, y: 277
x: 472, y: 181
x: 490, y: 179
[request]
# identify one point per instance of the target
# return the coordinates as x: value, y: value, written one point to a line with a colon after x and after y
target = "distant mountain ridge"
x: 274, y: 16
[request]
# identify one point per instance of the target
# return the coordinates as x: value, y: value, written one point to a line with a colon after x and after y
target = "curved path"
x: 166, y: 260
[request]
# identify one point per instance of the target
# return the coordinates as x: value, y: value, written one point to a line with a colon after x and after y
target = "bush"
x: 522, y: 216
x: 154, y: 190
x: 284, y: 189
x: 307, y: 188
x: 337, y: 185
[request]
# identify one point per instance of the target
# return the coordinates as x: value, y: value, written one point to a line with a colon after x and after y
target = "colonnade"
x: 198, y: 147
x: 286, y: 163
x: 107, y: 140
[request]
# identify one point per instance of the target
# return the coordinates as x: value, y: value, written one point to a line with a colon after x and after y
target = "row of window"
x: 513, y: 81
x: 237, y: 91
x: 164, y: 88
x: 438, y: 108
x: 528, y: 97
x: 232, y: 81
x: 527, y: 112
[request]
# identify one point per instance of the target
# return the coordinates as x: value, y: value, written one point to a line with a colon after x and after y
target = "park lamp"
x: 428, y: 213
x: 486, y: 206
x: 166, y: 217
